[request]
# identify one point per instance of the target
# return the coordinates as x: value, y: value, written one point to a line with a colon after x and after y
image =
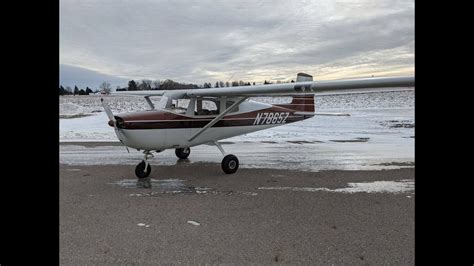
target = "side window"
x: 179, y: 105
x: 230, y: 103
x: 206, y: 107
x: 182, y: 103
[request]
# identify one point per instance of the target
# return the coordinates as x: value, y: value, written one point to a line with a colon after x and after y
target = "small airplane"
x: 187, y: 118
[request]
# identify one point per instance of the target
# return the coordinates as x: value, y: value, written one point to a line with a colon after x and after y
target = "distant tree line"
x: 156, y: 85
x: 104, y: 87
x: 76, y: 91
x: 167, y: 84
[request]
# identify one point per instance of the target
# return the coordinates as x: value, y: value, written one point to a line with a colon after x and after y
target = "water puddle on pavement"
x: 173, y: 186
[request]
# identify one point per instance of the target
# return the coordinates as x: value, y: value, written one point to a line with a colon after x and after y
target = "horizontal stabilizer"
x: 332, y: 114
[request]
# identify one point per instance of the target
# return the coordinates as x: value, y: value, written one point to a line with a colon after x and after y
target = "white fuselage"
x: 161, y: 139
x: 171, y: 138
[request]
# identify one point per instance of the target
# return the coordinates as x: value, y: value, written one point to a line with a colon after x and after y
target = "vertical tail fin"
x: 301, y: 102
x: 303, y: 77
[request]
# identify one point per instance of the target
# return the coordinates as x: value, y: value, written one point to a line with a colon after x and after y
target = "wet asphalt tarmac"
x: 195, y: 214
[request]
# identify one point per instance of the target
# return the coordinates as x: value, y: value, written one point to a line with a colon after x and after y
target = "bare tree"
x: 156, y: 84
x: 147, y: 84
x: 105, y: 87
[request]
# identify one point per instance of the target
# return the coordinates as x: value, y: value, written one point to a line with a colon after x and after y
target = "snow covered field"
x: 379, y: 132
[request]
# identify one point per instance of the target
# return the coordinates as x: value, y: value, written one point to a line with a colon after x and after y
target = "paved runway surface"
x: 196, y: 214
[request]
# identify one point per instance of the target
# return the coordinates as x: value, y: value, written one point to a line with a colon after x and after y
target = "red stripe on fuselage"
x: 162, y: 120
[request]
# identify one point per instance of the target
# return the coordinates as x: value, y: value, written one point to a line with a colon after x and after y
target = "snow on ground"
x: 379, y: 132
x: 70, y: 109
x: 289, y: 156
x: 367, y: 187
x: 369, y: 116
x: 88, y: 128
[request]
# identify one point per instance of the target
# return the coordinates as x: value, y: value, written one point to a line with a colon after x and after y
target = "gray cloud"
x: 254, y: 40
x: 82, y: 78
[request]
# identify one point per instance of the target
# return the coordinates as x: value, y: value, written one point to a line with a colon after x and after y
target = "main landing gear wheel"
x: 230, y: 164
x: 140, y: 171
x: 182, y: 153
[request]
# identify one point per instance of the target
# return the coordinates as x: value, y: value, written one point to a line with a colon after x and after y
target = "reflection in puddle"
x: 161, y: 186
x: 174, y: 186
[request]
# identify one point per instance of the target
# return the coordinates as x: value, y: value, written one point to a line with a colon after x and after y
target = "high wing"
x: 305, y: 87
x: 317, y: 87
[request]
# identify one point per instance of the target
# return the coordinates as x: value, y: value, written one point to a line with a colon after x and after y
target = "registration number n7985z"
x: 271, y: 118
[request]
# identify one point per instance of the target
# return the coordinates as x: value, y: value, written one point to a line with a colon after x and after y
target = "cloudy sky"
x: 206, y: 41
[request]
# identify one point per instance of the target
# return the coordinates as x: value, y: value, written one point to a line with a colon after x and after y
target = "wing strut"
x: 150, y: 103
x: 215, y: 120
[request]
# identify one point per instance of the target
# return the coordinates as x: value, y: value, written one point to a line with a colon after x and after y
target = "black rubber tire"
x: 230, y: 164
x: 182, y: 153
x: 140, y: 170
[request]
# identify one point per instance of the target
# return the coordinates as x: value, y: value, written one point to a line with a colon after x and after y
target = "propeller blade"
x: 108, y: 111
x: 111, y: 116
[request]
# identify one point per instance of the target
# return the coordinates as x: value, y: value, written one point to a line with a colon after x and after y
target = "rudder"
x: 301, y: 102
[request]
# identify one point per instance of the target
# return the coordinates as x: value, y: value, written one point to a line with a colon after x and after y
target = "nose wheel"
x: 143, y: 169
